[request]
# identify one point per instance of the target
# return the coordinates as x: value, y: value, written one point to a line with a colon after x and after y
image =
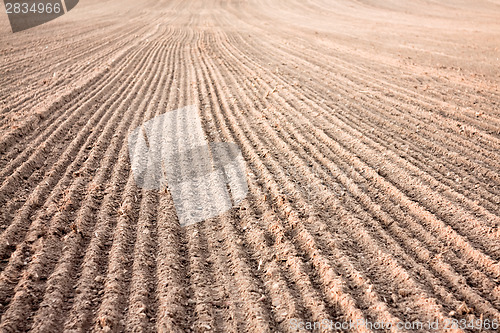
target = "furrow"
x: 381, y: 106
x: 64, y: 274
x: 45, y: 258
x: 294, y: 130
x: 357, y: 120
x: 114, y: 207
x: 322, y: 133
x: 333, y: 289
x: 33, y: 168
x: 54, y: 176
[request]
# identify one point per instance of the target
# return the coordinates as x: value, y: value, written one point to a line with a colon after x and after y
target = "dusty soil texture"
x: 370, y: 131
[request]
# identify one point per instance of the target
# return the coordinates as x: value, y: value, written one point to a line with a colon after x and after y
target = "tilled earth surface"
x: 370, y: 130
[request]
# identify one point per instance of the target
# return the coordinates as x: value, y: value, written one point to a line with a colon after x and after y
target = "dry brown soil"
x: 371, y: 135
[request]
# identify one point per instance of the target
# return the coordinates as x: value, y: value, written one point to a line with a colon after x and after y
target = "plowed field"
x: 370, y: 130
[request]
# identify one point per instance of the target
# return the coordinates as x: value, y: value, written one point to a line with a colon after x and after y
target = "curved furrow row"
x: 294, y: 130
x: 45, y: 258
x: 140, y: 315
x: 275, y: 284
x: 118, y: 273
x: 384, y: 316
x: 171, y: 288
x: 116, y: 287
x: 207, y: 295
x: 461, y: 161
x: 334, y: 291
x: 442, y: 176
x: 248, y: 286
x: 28, y: 170
x: 327, y: 167
x: 58, y: 65
x: 348, y: 140
x: 227, y: 300
x: 316, y: 129
x: 306, y: 47
x: 285, y: 252
x: 47, y: 45
x: 142, y: 305
x: 369, y: 132
x: 53, y: 176
x: 98, y: 86
x: 309, y: 241
x: 53, y: 109
x: 318, y: 60
x: 104, y: 28
x: 325, y: 17
x: 317, y: 90
x: 47, y: 88
x: 48, y: 83
x: 65, y: 273
x: 175, y: 305
x: 83, y: 60
x: 117, y: 206
x: 351, y: 119
x: 417, y: 109
x: 249, y: 105
x: 366, y: 202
